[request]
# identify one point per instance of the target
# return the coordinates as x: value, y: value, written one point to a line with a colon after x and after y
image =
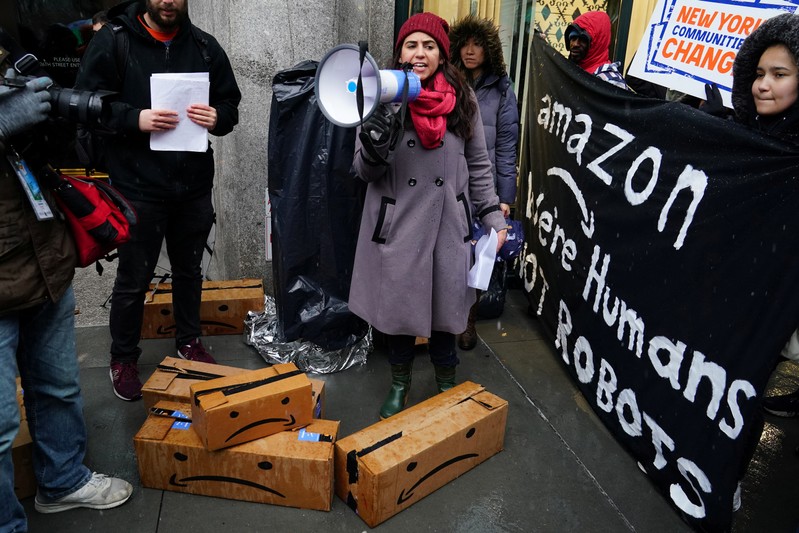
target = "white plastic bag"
x: 485, y: 254
x: 791, y: 349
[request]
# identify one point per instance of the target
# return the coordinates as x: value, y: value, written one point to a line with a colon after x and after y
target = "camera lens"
x: 83, y: 107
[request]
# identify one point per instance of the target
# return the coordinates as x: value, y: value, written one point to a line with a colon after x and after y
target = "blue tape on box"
x: 179, y: 424
x: 308, y: 436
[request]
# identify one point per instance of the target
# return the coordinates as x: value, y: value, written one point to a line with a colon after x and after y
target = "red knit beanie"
x: 432, y: 25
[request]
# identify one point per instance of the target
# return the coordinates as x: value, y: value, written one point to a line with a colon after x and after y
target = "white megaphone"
x: 337, y: 84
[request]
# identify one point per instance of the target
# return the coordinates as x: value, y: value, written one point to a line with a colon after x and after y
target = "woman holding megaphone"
x: 414, y: 252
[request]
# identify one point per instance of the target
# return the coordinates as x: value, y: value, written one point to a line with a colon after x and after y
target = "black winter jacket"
x: 138, y: 172
x: 782, y: 29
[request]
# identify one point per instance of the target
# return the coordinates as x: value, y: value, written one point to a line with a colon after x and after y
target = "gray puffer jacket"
x: 496, y: 99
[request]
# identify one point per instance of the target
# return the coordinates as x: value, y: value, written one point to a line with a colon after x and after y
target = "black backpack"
x: 90, y: 142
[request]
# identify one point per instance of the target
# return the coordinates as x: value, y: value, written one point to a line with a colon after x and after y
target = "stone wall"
x: 262, y: 38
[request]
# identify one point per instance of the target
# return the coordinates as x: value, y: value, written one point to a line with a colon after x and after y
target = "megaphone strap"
x: 374, y: 159
x: 363, y: 47
x: 396, y: 133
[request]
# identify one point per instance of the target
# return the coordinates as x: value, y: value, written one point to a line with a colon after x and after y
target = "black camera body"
x: 81, y: 107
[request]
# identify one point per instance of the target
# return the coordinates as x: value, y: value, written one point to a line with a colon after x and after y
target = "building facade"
x: 264, y: 37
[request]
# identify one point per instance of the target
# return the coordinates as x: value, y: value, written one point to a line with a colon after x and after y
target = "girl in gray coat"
x: 414, y: 251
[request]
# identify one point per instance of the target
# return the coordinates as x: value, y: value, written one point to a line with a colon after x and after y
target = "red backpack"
x: 98, y: 215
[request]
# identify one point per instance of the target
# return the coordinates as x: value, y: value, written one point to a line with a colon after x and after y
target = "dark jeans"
x: 441, y: 348
x: 185, y: 226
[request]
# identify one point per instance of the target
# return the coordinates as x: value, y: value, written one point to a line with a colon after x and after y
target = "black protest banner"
x: 661, y: 258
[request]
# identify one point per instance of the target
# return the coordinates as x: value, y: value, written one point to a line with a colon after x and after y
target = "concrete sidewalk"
x: 560, y: 470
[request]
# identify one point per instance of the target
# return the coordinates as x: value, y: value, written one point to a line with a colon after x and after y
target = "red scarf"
x: 430, y: 109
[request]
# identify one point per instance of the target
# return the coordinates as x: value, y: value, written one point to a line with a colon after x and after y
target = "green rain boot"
x: 398, y: 394
x: 445, y: 377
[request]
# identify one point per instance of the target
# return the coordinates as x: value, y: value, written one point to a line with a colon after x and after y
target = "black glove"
x: 23, y: 108
x: 378, y: 126
x: 713, y: 103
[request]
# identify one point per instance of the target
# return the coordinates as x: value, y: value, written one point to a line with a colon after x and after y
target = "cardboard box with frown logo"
x: 390, y: 465
x: 290, y: 468
x: 223, y: 307
x: 22, y: 454
x: 254, y: 404
x: 174, y: 376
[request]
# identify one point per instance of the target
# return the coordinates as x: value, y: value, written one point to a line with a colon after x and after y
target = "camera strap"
x: 23, y: 62
x: 26, y: 65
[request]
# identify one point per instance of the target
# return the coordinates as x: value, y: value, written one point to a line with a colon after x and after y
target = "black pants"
x: 185, y: 225
x: 441, y: 348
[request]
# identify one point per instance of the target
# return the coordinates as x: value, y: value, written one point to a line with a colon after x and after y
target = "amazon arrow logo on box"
x: 396, y: 462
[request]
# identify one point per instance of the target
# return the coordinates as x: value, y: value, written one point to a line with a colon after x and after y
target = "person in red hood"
x: 588, y: 40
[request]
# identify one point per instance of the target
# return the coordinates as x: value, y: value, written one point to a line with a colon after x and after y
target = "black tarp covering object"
x: 661, y: 257
x: 316, y: 208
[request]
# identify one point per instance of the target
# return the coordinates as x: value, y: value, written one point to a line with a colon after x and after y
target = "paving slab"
x: 561, y: 470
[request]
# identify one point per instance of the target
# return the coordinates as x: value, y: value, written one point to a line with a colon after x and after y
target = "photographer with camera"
x: 37, y: 330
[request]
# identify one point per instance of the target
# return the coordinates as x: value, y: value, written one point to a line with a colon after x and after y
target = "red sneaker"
x: 195, y: 351
x: 125, y: 379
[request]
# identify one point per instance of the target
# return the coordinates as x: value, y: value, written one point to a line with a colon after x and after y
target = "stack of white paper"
x: 176, y: 92
x: 485, y: 254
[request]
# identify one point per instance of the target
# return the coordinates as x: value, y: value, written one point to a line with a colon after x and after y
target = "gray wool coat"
x: 414, y: 250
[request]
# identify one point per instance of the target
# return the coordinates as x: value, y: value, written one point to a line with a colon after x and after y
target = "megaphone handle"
x: 374, y: 155
x: 396, y: 128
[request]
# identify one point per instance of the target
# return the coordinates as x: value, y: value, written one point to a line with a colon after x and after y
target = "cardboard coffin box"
x: 173, y: 377
x: 392, y: 464
x: 22, y: 454
x: 235, y: 409
x: 223, y: 308
x: 291, y: 468
x: 20, y: 400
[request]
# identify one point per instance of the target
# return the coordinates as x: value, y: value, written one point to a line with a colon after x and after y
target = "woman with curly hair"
x: 477, y: 52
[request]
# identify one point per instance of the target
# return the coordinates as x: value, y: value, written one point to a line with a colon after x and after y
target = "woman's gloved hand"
x: 713, y: 105
x: 378, y: 126
x: 21, y: 108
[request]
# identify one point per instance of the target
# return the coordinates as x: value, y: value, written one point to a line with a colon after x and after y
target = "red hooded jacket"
x: 597, y: 25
